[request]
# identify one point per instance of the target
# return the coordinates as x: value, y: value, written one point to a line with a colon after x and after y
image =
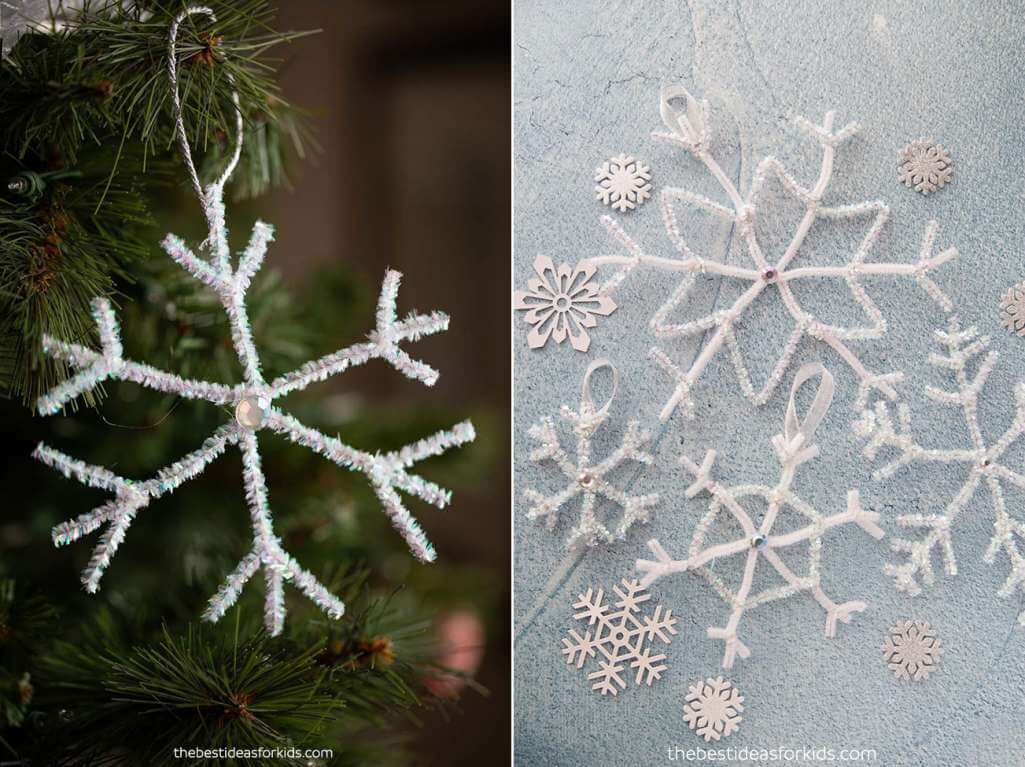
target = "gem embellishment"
x: 251, y: 411
x: 562, y: 303
x: 623, y: 183
x: 912, y: 650
x: 925, y: 166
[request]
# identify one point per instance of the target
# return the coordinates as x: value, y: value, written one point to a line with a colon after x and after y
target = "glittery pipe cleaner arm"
x: 383, y: 344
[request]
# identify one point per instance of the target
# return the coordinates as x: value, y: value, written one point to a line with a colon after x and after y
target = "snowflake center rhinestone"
x: 586, y: 479
x: 251, y: 411
x: 769, y: 275
x: 758, y: 541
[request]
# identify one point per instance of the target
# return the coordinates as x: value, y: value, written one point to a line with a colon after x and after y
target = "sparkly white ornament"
x: 982, y: 463
x: 793, y: 448
x: 925, y: 166
x: 252, y: 401
x: 622, y: 636
x: 764, y: 280
x: 912, y: 650
x: 562, y: 303
x: 586, y: 479
x: 623, y: 183
x: 1012, y: 309
x: 713, y: 708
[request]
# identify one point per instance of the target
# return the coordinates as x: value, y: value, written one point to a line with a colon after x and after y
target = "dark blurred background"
x: 411, y: 105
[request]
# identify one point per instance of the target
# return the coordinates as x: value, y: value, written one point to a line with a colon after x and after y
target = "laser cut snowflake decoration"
x: 764, y: 279
x: 925, y: 166
x: 623, y: 183
x: 1012, y: 309
x: 912, y: 650
x: 758, y: 541
x: 253, y: 404
x: 622, y: 636
x: 589, y: 480
x: 562, y: 303
x: 982, y: 463
x: 713, y: 708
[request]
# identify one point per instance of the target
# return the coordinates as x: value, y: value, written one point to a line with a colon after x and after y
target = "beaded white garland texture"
x: 770, y: 281
x: 757, y: 541
x: 388, y: 473
x: 982, y: 463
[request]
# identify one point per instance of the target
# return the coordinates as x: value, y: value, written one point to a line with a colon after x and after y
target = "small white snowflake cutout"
x: 925, y: 166
x: 713, y: 708
x: 912, y: 650
x: 623, y: 183
x: 586, y: 479
x: 1012, y: 309
x: 562, y: 303
x: 622, y: 636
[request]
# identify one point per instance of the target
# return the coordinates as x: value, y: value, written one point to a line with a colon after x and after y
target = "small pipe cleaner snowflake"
x: 252, y: 401
x: 772, y: 280
x: 912, y: 650
x: 981, y: 460
x: 925, y: 166
x: 623, y: 183
x: 586, y: 479
x: 793, y: 448
x: 621, y: 637
x: 713, y: 708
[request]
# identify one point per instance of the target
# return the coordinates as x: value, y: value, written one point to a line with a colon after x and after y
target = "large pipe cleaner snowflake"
x: 691, y: 132
x: 982, y: 460
x: 252, y: 401
x: 758, y: 541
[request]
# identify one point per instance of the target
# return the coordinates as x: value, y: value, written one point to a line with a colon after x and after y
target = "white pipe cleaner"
x: 793, y: 448
x: 252, y: 401
x: 774, y: 281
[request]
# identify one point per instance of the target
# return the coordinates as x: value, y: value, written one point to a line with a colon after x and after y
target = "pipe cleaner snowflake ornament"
x: 253, y: 404
x: 758, y: 541
x: 588, y: 480
x: 982, y: 464
x: 764, y: 279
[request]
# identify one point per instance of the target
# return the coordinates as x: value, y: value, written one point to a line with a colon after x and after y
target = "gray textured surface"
x: 586, y: 82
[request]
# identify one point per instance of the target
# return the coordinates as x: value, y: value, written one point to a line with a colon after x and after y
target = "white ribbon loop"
x: 587, y: 398
x: 690, y: 126
x: 183, y: 141
x: 794, y: 445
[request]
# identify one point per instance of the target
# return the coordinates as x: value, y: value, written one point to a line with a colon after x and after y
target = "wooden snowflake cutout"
x: 712, y: 708
x: 623, y: 182
x: 562, y: 303
x: 758, y: 542
x: 622, y: 636
x: 925, y: 166
x: 1012, y: 309
x: 982, y: 462
x: 763, y: 279
x: 585, y: 479
x: 912, y: 650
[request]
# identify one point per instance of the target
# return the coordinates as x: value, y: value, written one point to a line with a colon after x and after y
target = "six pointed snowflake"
x: 758, y: 541
x: 925, y: 165
x: 713, y: 708
x: 623, y: 183
x: 586, y: 479
x: 252, y: 401
x: 621, y: 636
x: 562, y: 303
x: 1012, y: 309
x: 982, y: 462
x: 912, y: 650
x: 771, y: 280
